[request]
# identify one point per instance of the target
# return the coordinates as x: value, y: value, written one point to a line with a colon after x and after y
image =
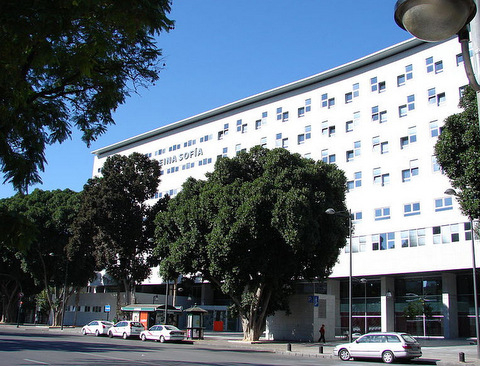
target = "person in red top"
x: 322, y: 334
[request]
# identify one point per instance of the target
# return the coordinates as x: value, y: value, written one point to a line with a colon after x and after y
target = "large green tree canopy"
x: 51, y: 214
x: 256, y: 224
x: 458, y: 153
x: 69, y: 63
x: 114, y: 226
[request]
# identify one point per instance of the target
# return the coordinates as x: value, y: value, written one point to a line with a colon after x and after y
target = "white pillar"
x: 450, y: 309
x: 387, y: 303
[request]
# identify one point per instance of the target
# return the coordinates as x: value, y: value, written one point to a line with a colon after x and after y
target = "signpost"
x: 107, y: 310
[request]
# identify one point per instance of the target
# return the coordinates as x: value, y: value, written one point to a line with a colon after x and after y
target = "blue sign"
x: 313, y: 300
x: 107, y: 308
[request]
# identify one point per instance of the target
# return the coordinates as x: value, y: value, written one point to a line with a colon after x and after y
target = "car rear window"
x: 408, y: 338
x: 136, y: 324
x: 392, y: 339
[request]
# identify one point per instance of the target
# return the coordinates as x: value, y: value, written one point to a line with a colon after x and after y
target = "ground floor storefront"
x: 424, y: 305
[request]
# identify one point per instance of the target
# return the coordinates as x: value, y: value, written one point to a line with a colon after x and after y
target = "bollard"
x: 461, y: 357
x: 289, y: 347
x: 320, y: 349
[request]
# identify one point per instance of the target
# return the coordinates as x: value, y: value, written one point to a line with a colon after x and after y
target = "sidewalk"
x: 441, y: 352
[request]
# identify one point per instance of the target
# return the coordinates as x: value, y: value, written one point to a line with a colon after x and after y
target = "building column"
x: 450, y: 308
x: 333, y: 288
x: 387, y: 286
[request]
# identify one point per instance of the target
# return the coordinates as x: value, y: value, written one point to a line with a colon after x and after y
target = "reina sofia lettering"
x: 183, y: 156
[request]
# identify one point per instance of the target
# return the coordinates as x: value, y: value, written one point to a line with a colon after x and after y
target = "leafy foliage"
x: 255, y: 225
x: 16, y: 230
x: 418, y: 307
x: 46, y: 260
x: 113, y: 230
x: 69, y: 62
x: 458, y: 153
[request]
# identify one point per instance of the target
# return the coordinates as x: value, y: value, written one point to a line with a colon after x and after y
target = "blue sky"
x: 224, y: 50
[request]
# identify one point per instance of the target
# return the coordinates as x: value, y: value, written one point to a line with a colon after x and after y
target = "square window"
x: 349, y: 126
x: 348, y: 97
x: 356, y: 90
x: 459, y: 59
x: 438, y: 67
x: 349, y: 155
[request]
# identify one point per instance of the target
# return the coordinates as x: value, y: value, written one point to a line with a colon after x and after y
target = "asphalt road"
x: 34, y: 346
x: 30, y: 347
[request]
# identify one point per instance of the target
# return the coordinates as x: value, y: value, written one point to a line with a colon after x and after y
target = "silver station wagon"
x: 386, y: 346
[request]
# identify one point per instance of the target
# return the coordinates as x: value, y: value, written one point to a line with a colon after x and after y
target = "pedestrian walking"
x: 322, y: 334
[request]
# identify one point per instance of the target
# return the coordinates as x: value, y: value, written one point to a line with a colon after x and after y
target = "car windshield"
x: 408, y: 338
x: 171, y: 327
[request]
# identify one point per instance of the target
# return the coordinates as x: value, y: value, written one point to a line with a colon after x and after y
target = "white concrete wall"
x: 304, y: 321
x: 424, y: 188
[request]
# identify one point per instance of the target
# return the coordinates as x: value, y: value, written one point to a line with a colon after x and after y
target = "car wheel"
x: 143, y: 337
x: 110, y: 334
x: 97, y: 333
x: 84, y: 332
x: 162, y: 339
x: 344, y: 354
x: 125, y: 336
x: 388, y: 357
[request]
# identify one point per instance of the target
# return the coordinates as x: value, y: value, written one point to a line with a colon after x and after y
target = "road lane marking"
x: 153, y: 362
x: 39, y: 362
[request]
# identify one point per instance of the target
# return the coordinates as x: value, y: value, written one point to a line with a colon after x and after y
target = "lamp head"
x: 434, y: 20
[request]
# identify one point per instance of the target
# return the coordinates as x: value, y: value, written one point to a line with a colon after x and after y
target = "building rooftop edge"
x: 366, y: 60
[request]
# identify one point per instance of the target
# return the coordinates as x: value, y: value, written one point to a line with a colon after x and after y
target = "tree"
x: 458, y: 153
x: 253, y: 227
x: 69, y: 63
x: 46, y: 260
x: 13, y: 281
x: 114, y: 224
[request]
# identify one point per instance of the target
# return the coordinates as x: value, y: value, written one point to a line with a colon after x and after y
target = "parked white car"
x: 386, y: 346
x: 97, y: 327
x: 163, y: 333
x: 126, y: 329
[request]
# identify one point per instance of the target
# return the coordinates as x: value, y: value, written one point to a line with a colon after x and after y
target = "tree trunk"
x: 251, y: 330
x: 253, y: 320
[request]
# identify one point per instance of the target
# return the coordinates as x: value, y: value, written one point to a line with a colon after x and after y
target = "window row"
x: 186, y: 166
x: 379, y: 176
x: 170, y: 192
x: 444, y: 234
x: 409, y: 209
x: 85, y: 308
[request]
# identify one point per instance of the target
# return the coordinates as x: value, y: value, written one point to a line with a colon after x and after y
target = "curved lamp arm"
x: 464, y: 39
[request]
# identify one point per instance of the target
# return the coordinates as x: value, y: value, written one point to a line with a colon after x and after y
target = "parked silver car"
x: 97, y: 327
x: 386, y: 346
x: 163, y: 333
x: 126, y: 329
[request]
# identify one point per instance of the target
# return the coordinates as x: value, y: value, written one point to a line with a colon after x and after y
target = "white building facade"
x: 378, y: 119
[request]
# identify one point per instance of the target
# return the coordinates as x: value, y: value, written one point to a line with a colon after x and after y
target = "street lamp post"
x: 364, y: 281
x: 166, y: 301
x: 438, y: 20
x: 64, y: 294
x: 452, y: 192
x: 348, y: 214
